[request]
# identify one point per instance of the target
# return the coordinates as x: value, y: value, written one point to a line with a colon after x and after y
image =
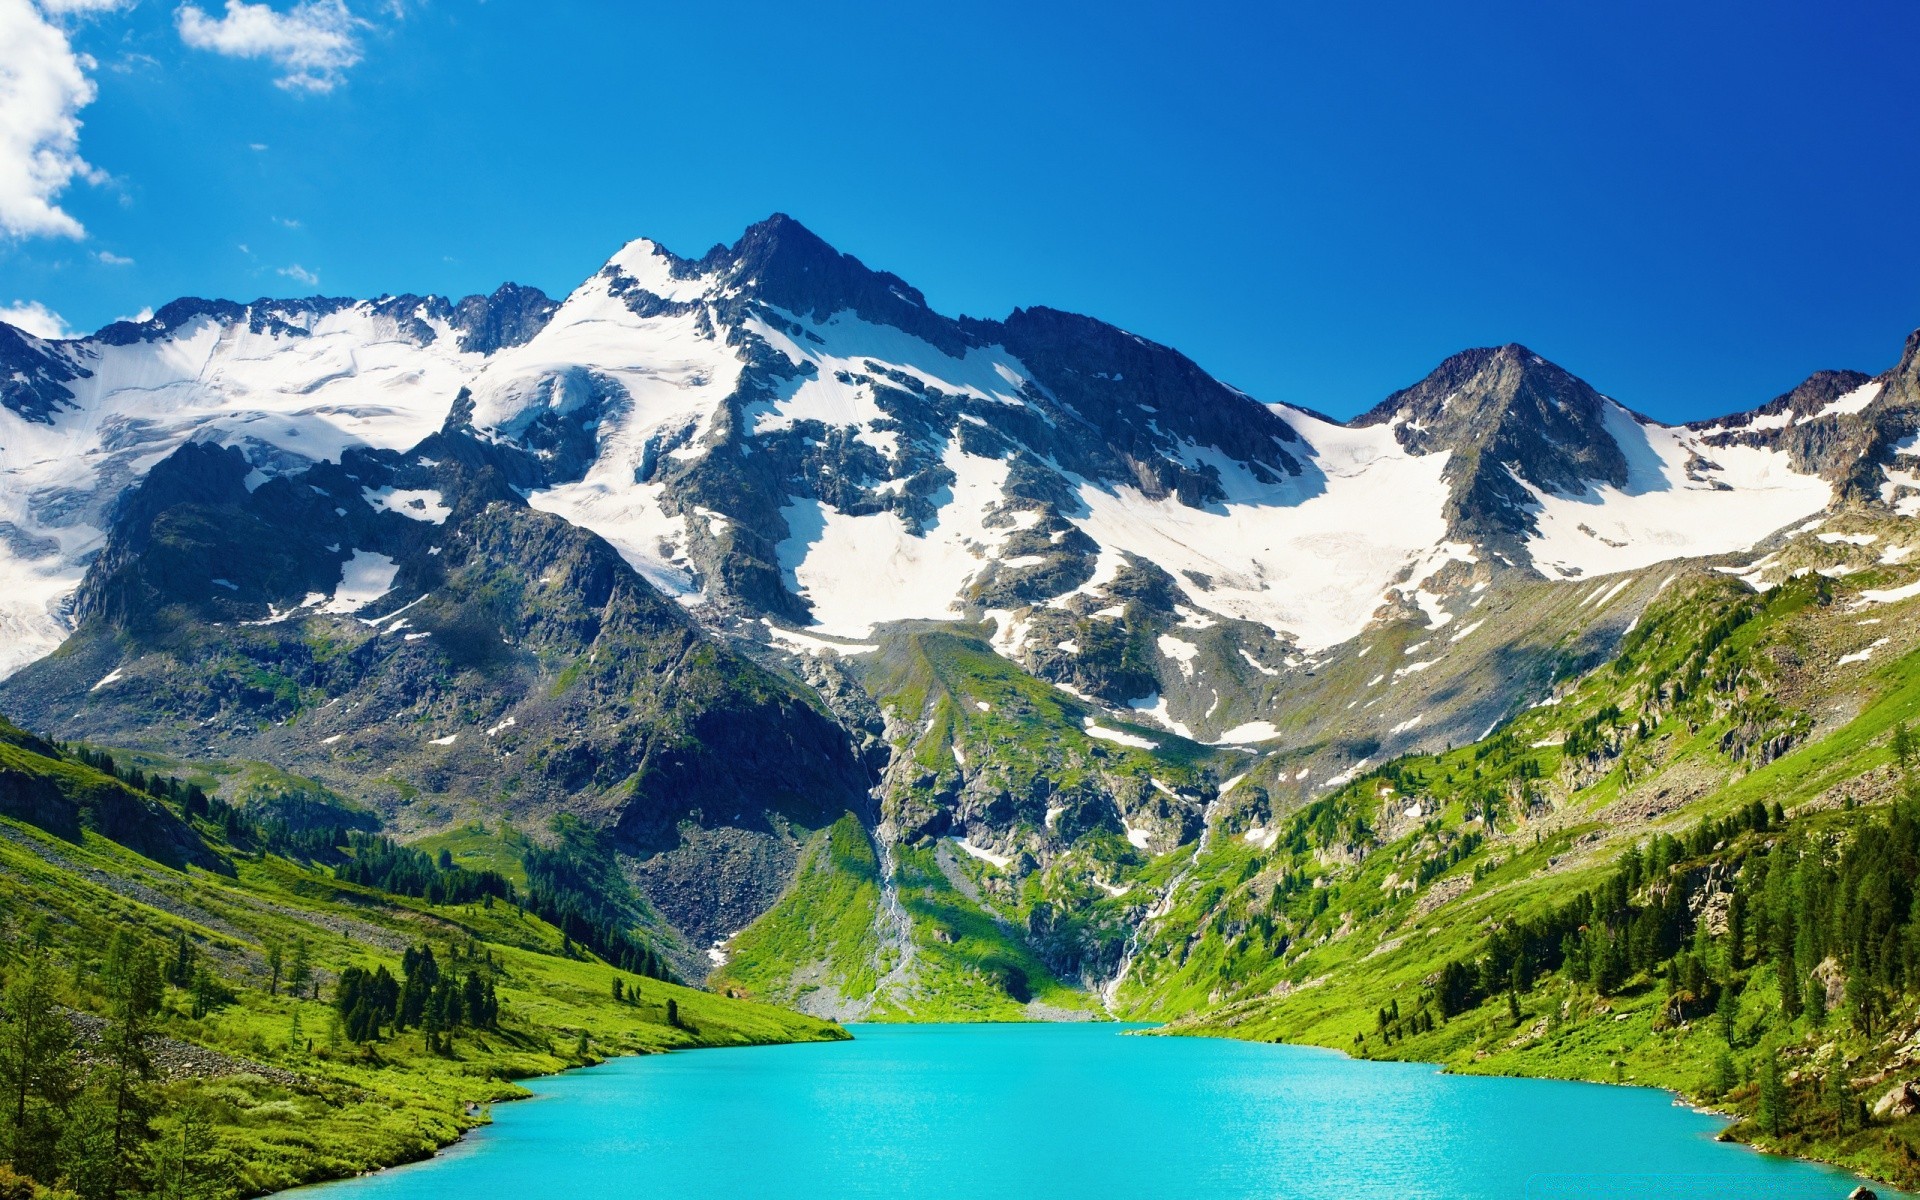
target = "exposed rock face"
x: 1504, y: 415
x: 1848, y: 428
x: 501, y: 662
x: 509, y: 317
x: 1900, y: 1100
x: 33, y: 377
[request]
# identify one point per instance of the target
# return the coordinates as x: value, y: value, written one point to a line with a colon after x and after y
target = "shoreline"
x: 464, y: 1136
x: 1679, y: 1099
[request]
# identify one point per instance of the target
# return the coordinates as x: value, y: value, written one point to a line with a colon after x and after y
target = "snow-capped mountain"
x: 776, y: 433
x: 291, y: 382
x: 715, y: 553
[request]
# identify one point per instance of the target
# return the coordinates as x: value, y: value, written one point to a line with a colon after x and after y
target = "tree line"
x: 577, y: 887
x: 381, y: 862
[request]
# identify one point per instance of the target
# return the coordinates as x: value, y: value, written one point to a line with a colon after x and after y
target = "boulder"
x: 1901, y: 1100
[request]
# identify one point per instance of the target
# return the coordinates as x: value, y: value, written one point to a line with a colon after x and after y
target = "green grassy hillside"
x: 1695, y: 867
x: 252, y: 1059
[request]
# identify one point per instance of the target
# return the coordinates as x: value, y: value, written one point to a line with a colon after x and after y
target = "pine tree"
x: 125, y: 1067
x: 299, y: 966
x: 186, y: 1163
x: 1774, y: 1111
x: 473, y: 1001
x: 36, y: 1069
x: 1839, y: 1098
x: 1724, y: 1077
x: 180, y: 966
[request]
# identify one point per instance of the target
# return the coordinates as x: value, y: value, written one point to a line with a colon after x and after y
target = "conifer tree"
x: 185, y: 1162
x: 299, y: 966
x: 36, y: 1069
x: 109, y: 1126
x: 1774, y: 1111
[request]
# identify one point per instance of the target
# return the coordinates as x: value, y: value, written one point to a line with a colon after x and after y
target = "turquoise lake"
x: 1080, y: 1112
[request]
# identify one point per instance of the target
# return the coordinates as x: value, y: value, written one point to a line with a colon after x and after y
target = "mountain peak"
x: 1495, y: 375
x: 782, y: 262
x: 1511, y: 420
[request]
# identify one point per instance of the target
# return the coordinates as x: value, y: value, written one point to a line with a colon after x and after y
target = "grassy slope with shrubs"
x: 303, y: 1102
x: 1721, y: 750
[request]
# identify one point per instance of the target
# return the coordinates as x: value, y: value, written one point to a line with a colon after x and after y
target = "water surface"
x: 1080, y: 1112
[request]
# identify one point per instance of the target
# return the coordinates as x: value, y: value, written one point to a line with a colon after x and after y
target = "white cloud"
x: 109, y: 258
x: 43, y: 86
x: 256, y: 146
x: 300, y: 274
x: 288, y: 222
x: 139, y: 318
x: 314, y: 42
x: 64, y: 7
x: 37, y: 319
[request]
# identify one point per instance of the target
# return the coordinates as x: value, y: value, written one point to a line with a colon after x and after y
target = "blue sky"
x: 1690, y: 205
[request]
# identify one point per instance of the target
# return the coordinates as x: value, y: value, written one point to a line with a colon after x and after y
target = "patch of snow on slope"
x: 1661, y: 513
x: 1097, y: 730
x: 1154, y: 706
x: 1901, y: 487
x: 847, y: 344
x: 420, y: 504
x: 364, y: 578
x: 1310, y: 556
x: 1608, y: 593
x: 1345, y: 777
x: 1888, y: 595
x: 805, y: 644
x: 1250, y: 731
x: 985, y: 855
x: 858, y: 571
x: 1466, y: 630
x: 1853, y: 402
x: 1181, y: 652
x: 1861, y: 655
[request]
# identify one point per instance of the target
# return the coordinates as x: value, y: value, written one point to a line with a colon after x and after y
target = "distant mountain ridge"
x: 718, y: 553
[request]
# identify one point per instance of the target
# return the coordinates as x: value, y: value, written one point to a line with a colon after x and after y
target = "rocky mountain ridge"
x: 717, y: 550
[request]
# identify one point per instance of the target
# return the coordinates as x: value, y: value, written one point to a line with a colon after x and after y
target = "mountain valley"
x: 899, y: 666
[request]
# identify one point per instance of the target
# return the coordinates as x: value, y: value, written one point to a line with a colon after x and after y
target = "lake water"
x: 1080, y: 1112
